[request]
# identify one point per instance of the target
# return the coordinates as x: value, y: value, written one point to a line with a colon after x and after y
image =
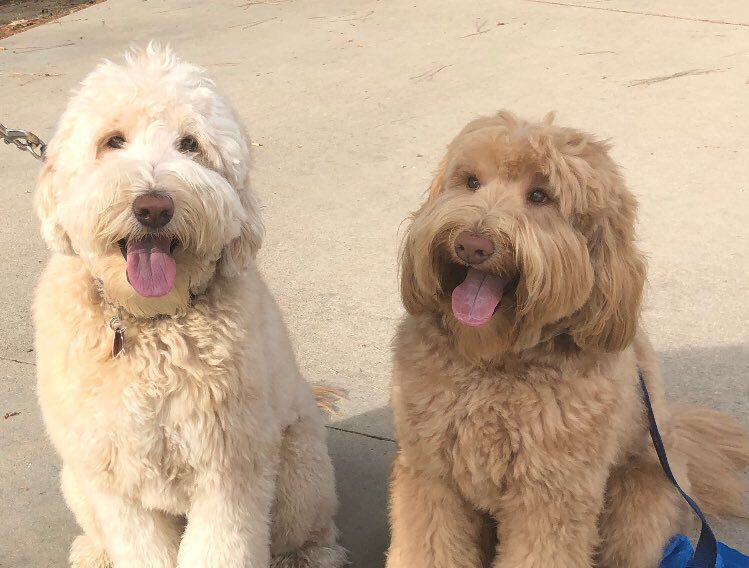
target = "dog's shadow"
x: 717, y: 377
x: 362, y: 466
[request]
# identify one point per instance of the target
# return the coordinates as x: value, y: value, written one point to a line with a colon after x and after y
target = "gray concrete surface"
x: 352, y: 104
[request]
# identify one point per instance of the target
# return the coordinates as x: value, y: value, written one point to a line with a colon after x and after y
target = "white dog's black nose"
x: 154, y: 210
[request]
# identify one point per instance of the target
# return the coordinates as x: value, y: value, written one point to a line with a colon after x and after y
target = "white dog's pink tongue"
x: 475, y: 300
x: 151, y: 270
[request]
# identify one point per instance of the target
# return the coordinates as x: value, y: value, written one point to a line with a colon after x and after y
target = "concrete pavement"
x: 351, y: 104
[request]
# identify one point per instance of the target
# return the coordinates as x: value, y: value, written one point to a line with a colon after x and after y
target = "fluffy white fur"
x: 201, y: 445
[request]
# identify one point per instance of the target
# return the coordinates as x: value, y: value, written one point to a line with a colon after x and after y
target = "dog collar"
x: 121, y: 315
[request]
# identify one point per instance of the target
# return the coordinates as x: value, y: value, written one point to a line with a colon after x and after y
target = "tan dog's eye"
x: 538, y: 196
x: 188, y: 145
x: 116, y: 142
x: 473, y: 183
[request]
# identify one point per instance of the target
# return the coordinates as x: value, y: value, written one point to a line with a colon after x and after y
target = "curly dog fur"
x: 200, y: 446
x: 523, y: 441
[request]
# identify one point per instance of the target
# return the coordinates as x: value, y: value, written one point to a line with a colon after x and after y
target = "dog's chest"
x: 167, y: 421
x: 493, y: 432
x: 484, y: 437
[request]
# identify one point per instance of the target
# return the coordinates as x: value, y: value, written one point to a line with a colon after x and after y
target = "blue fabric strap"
x: 706, y: 553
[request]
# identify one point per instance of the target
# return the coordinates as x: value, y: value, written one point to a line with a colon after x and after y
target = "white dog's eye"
x: 538, y: 196
x: 116, y: 142
x: 473, y: 183
x: 188, y: 145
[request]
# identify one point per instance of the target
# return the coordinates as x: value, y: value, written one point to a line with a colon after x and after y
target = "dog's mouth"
x: 475, y: 294
x: 151, y: 268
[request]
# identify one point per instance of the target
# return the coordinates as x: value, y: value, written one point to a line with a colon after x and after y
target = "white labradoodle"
x: 195, y: 442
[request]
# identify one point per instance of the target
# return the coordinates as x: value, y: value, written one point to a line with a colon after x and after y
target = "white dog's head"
x: 146, y: 179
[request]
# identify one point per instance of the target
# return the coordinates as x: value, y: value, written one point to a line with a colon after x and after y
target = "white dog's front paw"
x: 84, y: 553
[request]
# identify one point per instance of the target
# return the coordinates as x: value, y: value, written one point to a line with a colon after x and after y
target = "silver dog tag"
x: 118, y: 340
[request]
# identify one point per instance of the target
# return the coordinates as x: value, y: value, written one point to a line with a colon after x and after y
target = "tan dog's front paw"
x: 312, y: 556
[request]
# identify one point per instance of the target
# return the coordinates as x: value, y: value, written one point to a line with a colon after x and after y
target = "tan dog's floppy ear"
x: 438, y: 183
x: 45, y: 203
x: 609, y: 319
x: 412, y: 294
x: 242, y: 250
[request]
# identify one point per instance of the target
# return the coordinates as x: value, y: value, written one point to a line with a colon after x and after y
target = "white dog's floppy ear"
x: 242, y: 250
x: 45, y: 203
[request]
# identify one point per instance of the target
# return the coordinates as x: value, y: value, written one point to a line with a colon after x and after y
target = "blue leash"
x: 706, y: 553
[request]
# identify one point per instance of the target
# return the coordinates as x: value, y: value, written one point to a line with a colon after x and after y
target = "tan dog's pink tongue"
x: 151, y: 270
x: 475, y: 300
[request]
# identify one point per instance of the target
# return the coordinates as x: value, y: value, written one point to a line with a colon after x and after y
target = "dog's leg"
x: 303, y: 533
x: 134, y: 536
x: 552, y: 522
x: 642, y: 511
x: 228, y: 524
x: 87, y: 550
x: 432, y: 525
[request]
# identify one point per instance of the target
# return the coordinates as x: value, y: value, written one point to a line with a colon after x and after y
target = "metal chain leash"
x: 24, y: 140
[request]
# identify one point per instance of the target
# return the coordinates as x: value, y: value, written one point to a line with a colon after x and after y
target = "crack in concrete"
x: 662, y: 78
x: 27, y: 49
x: 4, y: 358
x: 596, y: 52
x: 374, y: 437
x: 636, y: 13
x: 429, y: 75
x: 248, y: 25
x: 336, y: 428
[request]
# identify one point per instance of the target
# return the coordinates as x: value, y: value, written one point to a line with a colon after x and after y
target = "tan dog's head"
x: 527, y: 232
x: 146, y: 179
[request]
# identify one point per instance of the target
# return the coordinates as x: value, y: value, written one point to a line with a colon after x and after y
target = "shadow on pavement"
x: 362, y: 468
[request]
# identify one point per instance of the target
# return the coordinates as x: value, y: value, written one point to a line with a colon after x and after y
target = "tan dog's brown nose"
x: 154, y: 210
x: 473, y: 248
